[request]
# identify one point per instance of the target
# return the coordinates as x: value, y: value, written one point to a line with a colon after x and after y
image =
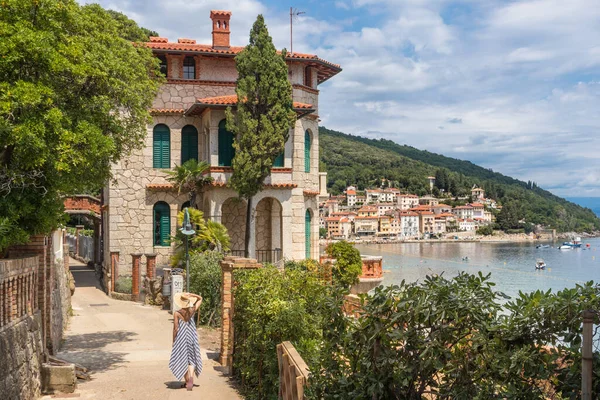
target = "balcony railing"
x: 262, y: 256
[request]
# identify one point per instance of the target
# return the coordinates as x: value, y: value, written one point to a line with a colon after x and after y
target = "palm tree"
x: 190, y: 177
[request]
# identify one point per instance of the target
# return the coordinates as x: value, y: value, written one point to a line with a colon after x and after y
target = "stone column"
x: 135, y: 275
x: 228, y: 264
x: 114, y: 268
x: 78, y: 228
x: 150, y: 265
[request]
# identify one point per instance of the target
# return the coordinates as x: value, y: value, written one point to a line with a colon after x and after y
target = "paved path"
x: 127, y: 347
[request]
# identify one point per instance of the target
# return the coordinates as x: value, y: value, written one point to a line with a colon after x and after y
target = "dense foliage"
x: 450, y: 339
x: 191, y: 178
x: 348, y: 263
x: 353, y: 160
x: 263, y: 117
x: 272, y: 306
x: 74, y: 98
x: 205, y: 280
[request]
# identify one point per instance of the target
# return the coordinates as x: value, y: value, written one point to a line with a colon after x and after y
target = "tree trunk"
x: 248, y: 226
x: 193, y: 199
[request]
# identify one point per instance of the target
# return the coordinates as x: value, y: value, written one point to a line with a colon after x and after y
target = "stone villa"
x: 141, y: 206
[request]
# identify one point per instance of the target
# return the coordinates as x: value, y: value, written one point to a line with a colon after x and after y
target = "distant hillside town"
x: 389, y: 213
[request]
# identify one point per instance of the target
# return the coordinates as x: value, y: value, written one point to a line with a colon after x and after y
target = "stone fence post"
x: 78, y: 228
x: 114, y: 269
x: 135, y: 275
x: 150, y: 265
x: 228, y: 265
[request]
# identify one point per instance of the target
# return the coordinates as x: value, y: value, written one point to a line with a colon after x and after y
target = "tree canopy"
x: 264, y: 114
x: 74, y: 98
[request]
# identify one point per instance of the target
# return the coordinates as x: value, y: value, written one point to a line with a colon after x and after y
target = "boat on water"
x: 566, y: 246
x: 540, y: 264
x: 542, y: 246
x: 574, y: 244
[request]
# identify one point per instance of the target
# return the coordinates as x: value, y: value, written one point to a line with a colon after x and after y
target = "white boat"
x: 540, y: 264
x: 565, y: 247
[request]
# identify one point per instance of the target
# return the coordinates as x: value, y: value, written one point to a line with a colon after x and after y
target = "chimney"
x: 220, y: 31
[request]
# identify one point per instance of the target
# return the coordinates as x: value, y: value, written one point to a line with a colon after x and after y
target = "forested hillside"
x: 354, y: 160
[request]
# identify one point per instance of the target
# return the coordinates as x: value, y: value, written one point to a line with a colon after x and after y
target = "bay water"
x: 512, y: 265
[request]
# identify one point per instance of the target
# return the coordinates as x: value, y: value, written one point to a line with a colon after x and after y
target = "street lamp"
x: 187, y: 230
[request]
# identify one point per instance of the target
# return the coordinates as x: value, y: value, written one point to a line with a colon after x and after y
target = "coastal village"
x: 180, y: 227
x: 389, y: 214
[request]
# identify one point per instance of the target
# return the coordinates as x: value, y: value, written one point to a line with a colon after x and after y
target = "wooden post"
x: 150, y: 265
x: 135, y: 275
x: 587, y: 356
x: 114, y: 269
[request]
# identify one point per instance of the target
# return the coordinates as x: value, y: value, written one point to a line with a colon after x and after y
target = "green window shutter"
x: 226, y: 150
x: 189, y: 143
x: 307, y: 144
x: 307, y: 220
x: 279, y: 160
x: 162, y: 224
x: 161, y: 151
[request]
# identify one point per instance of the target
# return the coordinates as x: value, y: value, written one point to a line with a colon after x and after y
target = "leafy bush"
x: 485, y: 230
x: 451, y: 338
x: 123, y: 284
x: 272, y: 306
x: 205, y: 280
x: 348, y: 265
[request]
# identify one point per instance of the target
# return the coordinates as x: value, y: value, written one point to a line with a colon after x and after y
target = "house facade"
x: 188, y: 113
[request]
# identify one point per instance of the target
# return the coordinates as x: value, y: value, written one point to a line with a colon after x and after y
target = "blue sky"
x: 510, y: 85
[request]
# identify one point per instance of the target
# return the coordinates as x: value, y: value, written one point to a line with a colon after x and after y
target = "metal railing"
x: 86, y: 246
x: 262, y: 256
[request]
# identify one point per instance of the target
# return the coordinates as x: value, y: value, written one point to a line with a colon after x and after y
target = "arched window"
x: 278, y: 163
x: 162, y: 224
x: 307, y: 226
x: 307, y: 145
x: 189, y: 143
x: 226, y: 150
x: 163, y: 65
x: 162, y: 146
x: 189, y: 68
x: 185, y: 205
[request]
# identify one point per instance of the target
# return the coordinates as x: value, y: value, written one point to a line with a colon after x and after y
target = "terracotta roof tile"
x: 163, y: 111
x: 311, y: 192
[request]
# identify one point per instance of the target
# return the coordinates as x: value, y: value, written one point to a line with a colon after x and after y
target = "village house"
x: 339, y: 227
x: 466, y: 225
x: 374, y: 196
x: 441, y: 209
x: 407, y: 201
x: 409, y: 224
x: 385, y: 225
x: 426, y: 222
x: 351, y: 196
x: 368, y: 211
x: 188, y: 114
x: 463, y: 212
x: 439, y: 225
x: 477, y: 193
x: 478, y: 210
x: 429, y: 201
x: 383, y: 208
x: 366, y: 225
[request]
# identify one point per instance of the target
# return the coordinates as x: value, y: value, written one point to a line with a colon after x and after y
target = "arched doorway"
x: 233, y: 216
x: 268, y: 229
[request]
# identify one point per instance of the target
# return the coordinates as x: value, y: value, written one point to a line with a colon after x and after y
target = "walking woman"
x: 185, y: 356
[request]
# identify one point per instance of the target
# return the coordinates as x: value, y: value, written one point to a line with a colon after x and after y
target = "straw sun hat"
x: 183, y: 300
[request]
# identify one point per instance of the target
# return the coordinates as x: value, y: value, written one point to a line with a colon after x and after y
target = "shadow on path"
x: 87, y: 349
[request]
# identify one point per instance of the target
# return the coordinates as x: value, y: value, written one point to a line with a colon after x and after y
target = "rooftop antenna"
x: 294, y: 13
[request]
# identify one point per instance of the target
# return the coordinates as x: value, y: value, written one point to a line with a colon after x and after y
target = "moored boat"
x: 540, y: 264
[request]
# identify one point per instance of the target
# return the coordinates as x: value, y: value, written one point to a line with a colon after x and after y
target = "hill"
x: 363, y: 162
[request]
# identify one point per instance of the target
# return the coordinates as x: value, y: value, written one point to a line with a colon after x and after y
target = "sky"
x: 509, y: 85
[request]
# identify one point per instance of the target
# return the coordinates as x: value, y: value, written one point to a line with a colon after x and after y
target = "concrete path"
x: 127, y: 347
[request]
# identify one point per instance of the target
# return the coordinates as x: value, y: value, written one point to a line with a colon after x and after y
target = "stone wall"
x: 182, y: 96
x: 22, y: 353
x: 234, y: 219
x: 61, y: 304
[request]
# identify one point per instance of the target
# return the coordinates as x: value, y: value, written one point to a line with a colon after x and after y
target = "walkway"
x: 127, y: 347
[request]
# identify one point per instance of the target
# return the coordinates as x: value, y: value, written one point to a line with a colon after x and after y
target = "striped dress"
x: 186, y: 350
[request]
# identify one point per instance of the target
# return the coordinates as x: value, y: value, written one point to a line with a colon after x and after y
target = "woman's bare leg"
x: 190, y: 371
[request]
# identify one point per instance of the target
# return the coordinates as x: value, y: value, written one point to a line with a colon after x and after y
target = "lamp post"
x: 187, y: 230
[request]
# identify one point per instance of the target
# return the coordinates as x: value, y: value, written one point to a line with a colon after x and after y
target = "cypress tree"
x: 264, y: 115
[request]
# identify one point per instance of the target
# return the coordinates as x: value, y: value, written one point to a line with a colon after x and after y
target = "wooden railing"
x: 293, y: 372
x: 18, y: 288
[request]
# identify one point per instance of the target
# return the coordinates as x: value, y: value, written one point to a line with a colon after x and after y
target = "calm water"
x: 512, y: 264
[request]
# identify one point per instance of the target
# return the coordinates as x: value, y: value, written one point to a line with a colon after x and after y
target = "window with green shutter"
x: 307, y: 224
x: 162, y: 146
x: 278, y: 163
x: 189, y: 143
x: 307, y: 144
x: 226, y: 150
x: 162, y: 224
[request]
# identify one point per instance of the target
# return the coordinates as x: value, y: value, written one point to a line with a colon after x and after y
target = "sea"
x: 512, y: 265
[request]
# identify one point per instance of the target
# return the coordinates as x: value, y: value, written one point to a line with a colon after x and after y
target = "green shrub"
x: 485, y: 230
x: 272, y: 306
x: 123, y: 284
x: 456, y: 338
x: 348, y: 265
x: 205, y: 280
